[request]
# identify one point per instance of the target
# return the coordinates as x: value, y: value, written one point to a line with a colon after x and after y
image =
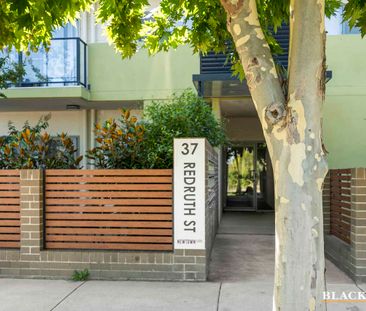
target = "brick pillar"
x: 358, y: 224
x: 326, y: 204
x: 31, y: 214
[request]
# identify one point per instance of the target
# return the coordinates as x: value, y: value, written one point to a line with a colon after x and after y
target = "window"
x: 56, y: 146
x: 67, y: 31
x: 346, y: 29
x: 336, y: 26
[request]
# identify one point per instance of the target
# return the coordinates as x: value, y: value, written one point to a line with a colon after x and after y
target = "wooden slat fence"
x: 108, y: 209
x: 9, y: 209
x: 340, y: 204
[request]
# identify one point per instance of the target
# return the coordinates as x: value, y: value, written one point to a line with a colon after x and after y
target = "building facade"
x: 82, y: 80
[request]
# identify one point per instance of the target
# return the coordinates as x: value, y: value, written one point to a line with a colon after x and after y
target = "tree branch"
x: 307, y: 48
x: 257, y: 60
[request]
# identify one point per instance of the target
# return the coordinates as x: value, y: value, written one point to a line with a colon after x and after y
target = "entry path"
x: 243, y: 261
x: 240, y: 279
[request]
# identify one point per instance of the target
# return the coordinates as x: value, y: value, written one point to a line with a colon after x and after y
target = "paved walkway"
x: 243, y: 262
x: 241, y: 279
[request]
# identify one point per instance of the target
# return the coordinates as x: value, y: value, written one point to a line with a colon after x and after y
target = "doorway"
x: 249, y: 178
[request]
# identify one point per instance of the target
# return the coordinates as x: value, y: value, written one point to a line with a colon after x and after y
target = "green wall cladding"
x: 344, y: 121
x: 156, y: 77
x: 142, y: 77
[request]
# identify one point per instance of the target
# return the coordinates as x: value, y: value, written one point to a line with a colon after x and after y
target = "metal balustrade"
x: 64, y: 64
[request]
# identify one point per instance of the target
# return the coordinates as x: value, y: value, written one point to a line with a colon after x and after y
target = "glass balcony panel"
x: 67, y: 31
x: 63, y: 65
x: 35, y: 66
x: 62, y: 61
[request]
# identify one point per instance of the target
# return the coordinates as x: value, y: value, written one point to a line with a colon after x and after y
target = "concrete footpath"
x: 46, y: 295
x: 240, y: 279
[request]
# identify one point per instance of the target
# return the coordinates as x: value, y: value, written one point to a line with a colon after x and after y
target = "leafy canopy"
x: 134, y: 24
x: 29, y: 23
x: 156, y: 25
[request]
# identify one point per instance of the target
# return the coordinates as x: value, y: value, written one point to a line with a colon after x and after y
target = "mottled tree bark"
x: 292, y: 128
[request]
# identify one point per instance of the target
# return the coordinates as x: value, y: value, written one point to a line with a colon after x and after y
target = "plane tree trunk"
x: 292, y: 128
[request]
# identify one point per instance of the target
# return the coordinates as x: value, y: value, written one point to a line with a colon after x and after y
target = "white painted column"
x: 84, y: 137
x: 91, y: 25
x: 92, y: 122
x: 216, y: 108
x: 189, y: 193
x: 83, y: 26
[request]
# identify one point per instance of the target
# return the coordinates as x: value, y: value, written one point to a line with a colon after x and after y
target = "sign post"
x: 189, y: 193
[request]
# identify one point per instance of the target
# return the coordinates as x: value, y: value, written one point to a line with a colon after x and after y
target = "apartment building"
x: 82, y: 80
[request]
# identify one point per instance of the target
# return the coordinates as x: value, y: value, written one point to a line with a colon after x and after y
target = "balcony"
x: 216, y: 79
x: 65, y: 64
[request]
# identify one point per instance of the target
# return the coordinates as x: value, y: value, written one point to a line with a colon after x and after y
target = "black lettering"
x: 190, y: 204
x: 189, y: 180
x: 189, y: 173
x: 188, y: 224
x: 194, y: 147
x: 186, y: 149
x: 189, y: 165
x: 189, y: 211
x: 189, y: 197
x: 189, y: 189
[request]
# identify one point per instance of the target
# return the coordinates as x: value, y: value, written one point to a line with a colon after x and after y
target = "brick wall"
x: 180, y: 265
x: 351, y: 258
x: 31, y: 214
x: 326, y: 204
x: 31, y: 260
x: 358, y: 223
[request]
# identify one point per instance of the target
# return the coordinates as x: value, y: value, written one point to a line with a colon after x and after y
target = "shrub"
x: 129, y: 143
x: 82, y: 275
x: 32, y: 148
x: 120, y: 143
x: 186, y: 115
